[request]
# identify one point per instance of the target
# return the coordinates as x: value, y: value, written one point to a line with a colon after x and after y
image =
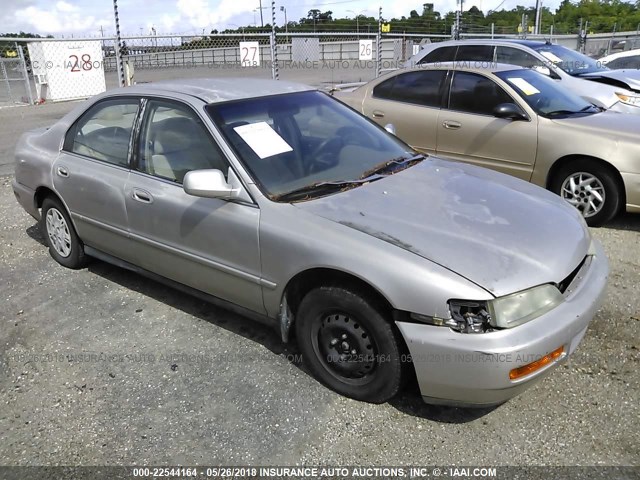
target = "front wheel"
x: 348, y: 344
x: 591, y: 188
x: 64, y: 245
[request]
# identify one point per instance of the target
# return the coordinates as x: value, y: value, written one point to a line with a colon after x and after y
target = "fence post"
x: 274, y: 46
x: 379, y: 44
x: 5, y: 76
x: 119, y: 63
x: 27, y: 82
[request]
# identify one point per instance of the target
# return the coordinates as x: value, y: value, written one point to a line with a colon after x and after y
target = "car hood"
x: 605, y: 125
x: 499, y: 232
x: 629, y: 79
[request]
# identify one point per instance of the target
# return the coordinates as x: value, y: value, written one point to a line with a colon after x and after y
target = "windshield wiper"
x: 323, y: 188
x: 393, y: 165
x: 572, y: 112
x: 561, y: 112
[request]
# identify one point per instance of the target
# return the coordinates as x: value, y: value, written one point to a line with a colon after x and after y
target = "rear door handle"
x: 377, y: 114
x: 142, y: 196
x: 62, y: 171
x: 451, y: 125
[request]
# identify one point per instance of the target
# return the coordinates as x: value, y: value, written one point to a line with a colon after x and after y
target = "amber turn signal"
x: 528, y: 369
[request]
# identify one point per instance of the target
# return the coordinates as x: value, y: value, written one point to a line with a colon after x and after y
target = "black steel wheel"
x: 349, y: 345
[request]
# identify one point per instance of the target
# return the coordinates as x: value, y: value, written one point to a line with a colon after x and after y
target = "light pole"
x: 357, y: 15
x: 286, y: 23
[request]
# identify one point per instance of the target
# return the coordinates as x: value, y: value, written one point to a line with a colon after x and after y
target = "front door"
x: 468, y: 131
x: 206, y: 243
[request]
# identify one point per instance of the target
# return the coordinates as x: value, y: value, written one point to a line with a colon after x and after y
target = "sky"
x: 95, y: 17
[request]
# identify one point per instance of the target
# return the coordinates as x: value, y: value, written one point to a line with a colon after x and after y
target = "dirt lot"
x: 103, y: 367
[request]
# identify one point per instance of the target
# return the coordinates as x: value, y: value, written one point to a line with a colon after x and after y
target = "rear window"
x: 439, y: 55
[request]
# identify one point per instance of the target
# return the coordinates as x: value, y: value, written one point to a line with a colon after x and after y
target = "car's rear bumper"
x: 473, y: 369
x: 25, y: 197
x: 632, y: 190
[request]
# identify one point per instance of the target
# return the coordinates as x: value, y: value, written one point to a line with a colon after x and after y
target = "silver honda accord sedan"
x: 276, y: 200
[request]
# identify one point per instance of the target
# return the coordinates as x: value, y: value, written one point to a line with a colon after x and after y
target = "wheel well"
x: 561, y: 162
x: 306, y: 281
x: 41, y: 194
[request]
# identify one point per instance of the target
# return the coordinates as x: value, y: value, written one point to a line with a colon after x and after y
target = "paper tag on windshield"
x: 551, y: 56
x: 263, y: 139
x: 523, y: 85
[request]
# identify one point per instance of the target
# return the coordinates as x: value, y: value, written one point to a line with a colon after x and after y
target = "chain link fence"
x: 39, y: 69
x: 15, y: 84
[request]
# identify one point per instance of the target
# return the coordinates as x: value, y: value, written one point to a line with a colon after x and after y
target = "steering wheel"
x: 541, y: 102
x: 355, y: 136
x: 326, y: 153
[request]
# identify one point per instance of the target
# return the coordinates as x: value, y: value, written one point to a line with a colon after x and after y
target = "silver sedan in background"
x: 277, y: 200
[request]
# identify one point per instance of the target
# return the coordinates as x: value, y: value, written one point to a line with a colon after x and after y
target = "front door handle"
x: 142, y: 196
x: 62, y: 171
x: 451, y: 125
x: 377, y: 114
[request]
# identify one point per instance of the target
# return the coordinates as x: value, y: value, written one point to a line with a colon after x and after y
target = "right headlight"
x: 521, y: 307
x: 629, y: 99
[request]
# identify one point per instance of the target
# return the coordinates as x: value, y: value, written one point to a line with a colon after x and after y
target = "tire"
x: 349, y: 345
x: 64, y: 245
x: 599, y: 200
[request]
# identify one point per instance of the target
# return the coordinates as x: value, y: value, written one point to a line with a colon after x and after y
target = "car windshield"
x: 572, y: 62
x: 307, y: 142
x: 545, y: 96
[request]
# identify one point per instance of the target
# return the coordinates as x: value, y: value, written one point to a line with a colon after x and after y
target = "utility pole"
x: 261, y: 19
x: 536, y: 28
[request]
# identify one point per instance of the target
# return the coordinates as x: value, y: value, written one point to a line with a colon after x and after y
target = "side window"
x: 475, y: 53
x: 624, y: 62
x: 442, y: 54
x: 383, y: 90
x: 515, y: 56
x: 475, y: 93
x: 421, y: 88
x: 174, y: 141
x: 104, y: 131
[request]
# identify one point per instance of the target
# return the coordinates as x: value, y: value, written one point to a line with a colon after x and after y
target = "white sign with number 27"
x: 249, y: 54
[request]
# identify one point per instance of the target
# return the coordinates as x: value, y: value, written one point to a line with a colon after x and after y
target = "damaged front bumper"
x: 473, y: 369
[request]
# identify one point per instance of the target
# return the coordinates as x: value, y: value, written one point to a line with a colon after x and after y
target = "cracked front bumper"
x: 473, y: 369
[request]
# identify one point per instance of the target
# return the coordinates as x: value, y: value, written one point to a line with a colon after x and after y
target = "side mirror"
x: 542, y: 69
x: 509, y: 111
x: 208, y: 184
x: 391, y: 128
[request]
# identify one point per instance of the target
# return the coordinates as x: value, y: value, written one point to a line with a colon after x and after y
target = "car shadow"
x: 625, y: 221
x: 408, y: 401
x: 36, y: 234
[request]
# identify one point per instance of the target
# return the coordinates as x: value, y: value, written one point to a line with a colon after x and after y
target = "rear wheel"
x: 64, y: 245
x: 591, y: 187
x: 349, y: 345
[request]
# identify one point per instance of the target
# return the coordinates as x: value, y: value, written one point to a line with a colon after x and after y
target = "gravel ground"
x: 103, y: 367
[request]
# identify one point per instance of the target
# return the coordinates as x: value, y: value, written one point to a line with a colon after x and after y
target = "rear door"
x: 468, y: 131
x: 411, y: 102
x: 91, y: 171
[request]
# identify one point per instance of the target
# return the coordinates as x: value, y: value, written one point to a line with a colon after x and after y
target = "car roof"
x: 488, y: 41
x: 626, y: 53
x: 467, y: 66
x: 214, y: 90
